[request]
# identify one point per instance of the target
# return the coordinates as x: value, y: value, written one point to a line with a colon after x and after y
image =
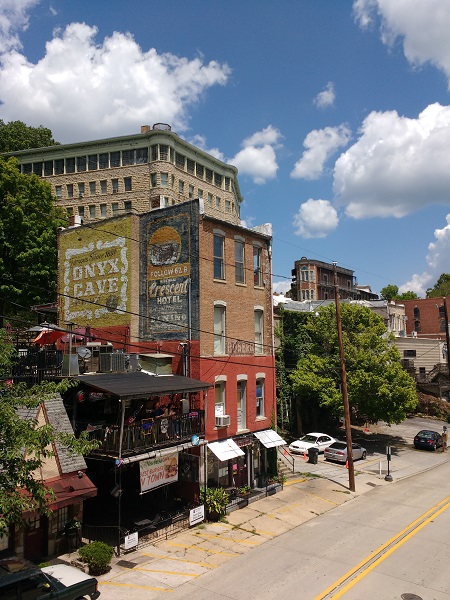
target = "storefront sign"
x: 131, y: 540
x: 158, y: 471
x: 196, y: 515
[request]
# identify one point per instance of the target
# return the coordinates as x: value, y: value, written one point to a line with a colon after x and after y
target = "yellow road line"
x: 415, y: 527
x: 292, y: 481
x: 166, y: 572
x: 170, y: 557
x: 134, y: 586
x: 205, y: 549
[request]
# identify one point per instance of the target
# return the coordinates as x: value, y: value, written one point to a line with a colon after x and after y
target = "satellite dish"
x: 84, y: 352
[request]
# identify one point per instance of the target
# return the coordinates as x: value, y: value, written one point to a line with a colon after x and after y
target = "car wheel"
x: 364, y: 455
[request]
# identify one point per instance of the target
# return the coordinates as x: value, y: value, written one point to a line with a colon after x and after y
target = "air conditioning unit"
x: 223, y: 421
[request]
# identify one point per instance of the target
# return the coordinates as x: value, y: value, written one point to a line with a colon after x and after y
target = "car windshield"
x: 308, y: 438
x: 425, y: 434
x: 338, y: 445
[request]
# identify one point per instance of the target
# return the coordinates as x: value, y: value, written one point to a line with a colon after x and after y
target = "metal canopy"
x: 139, y: 385
x: 225, y: 449
x: 269, y: 438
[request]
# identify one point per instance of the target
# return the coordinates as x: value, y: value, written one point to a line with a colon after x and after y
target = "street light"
x: 348, y: 431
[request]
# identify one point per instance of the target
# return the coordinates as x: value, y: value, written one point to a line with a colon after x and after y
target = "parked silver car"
x: 338, y: 452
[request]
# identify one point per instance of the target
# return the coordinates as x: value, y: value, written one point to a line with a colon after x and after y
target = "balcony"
x: 145, y: 435
x: 34, y: 365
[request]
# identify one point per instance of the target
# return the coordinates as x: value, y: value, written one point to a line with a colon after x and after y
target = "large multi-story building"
x: 314, y: 280
x: 134, y: 173
x: 426, y: 318
x: 157, y: 266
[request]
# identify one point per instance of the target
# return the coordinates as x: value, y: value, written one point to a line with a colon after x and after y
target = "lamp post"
x: 348, y: 431
x: 70, y: 325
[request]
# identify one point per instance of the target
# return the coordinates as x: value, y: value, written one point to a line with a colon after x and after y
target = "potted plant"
x: 215, y: 501
x: 97, y: 555
x: 244, y: 491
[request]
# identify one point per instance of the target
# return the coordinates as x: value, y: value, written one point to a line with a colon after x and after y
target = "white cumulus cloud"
x: 13, y: 18
x: 326, y: 97
x: 258, y: 157
x: 397, y: 166
x: 438, y: 263
x: 423, y: 26
x: 320, y: 145
x: 315, y: 219
x: 81, y: 87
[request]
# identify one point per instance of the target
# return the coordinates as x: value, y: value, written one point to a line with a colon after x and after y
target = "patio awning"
x: 139, y: 385
x: 225, y: 449
x: 269, y: 438
x: 72, y: 489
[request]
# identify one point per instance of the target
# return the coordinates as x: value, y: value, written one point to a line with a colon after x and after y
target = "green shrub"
x: 97, y: 555
x: 215, y: 501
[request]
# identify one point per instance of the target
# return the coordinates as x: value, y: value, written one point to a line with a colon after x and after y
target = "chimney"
x: 145, y: 128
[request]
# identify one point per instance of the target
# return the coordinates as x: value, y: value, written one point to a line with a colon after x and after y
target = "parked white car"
x: 311, y: 440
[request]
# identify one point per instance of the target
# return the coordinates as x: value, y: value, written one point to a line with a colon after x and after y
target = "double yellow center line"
x: 351, y: 578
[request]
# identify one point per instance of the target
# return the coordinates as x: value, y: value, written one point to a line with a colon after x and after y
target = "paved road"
x: 206, y: 554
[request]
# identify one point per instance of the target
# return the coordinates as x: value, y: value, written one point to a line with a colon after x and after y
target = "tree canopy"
x: 25, y: 445
x: 378, y: 387
x: 28, y: 247
x: 390, y: 292
x: 441, y: 288
x: 15, y: 135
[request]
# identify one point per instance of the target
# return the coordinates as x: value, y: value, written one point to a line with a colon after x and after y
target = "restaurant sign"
x: 155, y: 472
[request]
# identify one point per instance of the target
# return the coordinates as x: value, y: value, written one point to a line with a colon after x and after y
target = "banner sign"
x: 159, y: 471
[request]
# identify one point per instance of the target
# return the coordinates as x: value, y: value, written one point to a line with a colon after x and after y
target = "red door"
x: 34, y: 539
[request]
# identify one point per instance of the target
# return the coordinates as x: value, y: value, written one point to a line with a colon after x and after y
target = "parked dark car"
x: 428, y: 439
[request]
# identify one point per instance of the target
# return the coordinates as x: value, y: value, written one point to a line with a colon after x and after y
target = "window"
x: 48, y: 167
x: 27, y: 169
x: 257, y: 271
x: 80, y: 190
x: 69, y: 211
x: 154, y: 152
x: 409, y: 353
x: 103, y: 160
x: 92, y: 188
x: 127, y: 207
x: 70, y: 190
x: 304, y: 274
x: 241, y: 403
x: 141, y: 156
x: 127, y: 157
x: 103, y: 210
x: 81, y: 211
x: 115, y: 208
x: 416, y: 312
x: 58, y: 191
x: 200, y: 193
x: 127, y: 184
x: 114, y: 159
x: 92, y: 162
x: 70, y: 165
x: 200, y: 171
x: 81, y: 164
x: 239, y: 247
x: 227, y: 206
x: 164, y: 179
x: 179, y: 160
x: 417, y: 326
x: 217, y: 180
x: 37, y: 168
x: 227, y: 184
x: 219, y: 393
x: 59, y: 166
x: 190, y: 166
x: 92, y: 211
x: 115, y: 185
x: 259, y: 331
x: 153, y: 180
x: 163, y: 152
x: 219, y: 329
x: 219, y: 265
x: 181, y: 187
x: 191, y: 191
x: 103, y: 186
x: 217, y: 202
x: 208, y: 175
x: 210, y: 200
x: 164, y: 201
x: 260, y: 397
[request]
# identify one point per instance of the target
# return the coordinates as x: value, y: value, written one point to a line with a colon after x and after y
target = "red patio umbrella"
x: 48, y: 336
x: 79, y: 334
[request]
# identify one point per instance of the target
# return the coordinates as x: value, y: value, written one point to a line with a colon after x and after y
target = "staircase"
x: 285, y: 462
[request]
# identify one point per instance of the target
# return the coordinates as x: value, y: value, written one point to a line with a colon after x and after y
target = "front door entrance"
x: 34, y: 539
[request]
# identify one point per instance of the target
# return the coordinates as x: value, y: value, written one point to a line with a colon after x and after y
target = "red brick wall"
x: 429, y: 317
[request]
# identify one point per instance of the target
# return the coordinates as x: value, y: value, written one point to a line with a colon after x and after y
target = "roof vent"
x: 162, y: 127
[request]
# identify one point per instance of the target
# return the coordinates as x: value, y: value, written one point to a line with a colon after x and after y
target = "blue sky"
x: 336, y: 113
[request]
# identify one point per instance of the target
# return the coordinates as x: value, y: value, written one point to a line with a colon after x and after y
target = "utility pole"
x: 348, y: 431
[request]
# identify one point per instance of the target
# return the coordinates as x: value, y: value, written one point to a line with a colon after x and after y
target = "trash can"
x: 313, y: 455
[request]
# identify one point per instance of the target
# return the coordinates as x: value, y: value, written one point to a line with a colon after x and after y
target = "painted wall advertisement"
x: 155, y: 472
x: 95, y: 276
x: 168, y: 277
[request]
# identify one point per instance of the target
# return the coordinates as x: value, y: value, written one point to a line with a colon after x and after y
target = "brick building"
x: 314, y: 280
x: 425, y: 317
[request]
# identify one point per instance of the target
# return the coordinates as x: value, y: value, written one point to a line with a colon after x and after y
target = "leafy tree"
x: 390, y: 292
x: 441, y: 287
x: 378, y: 387
x: 28, y: 250
x: 25, y: 445
x: 15, y: 135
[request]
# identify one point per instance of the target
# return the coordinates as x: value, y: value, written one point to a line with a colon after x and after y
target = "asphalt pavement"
x: 310, y: 490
